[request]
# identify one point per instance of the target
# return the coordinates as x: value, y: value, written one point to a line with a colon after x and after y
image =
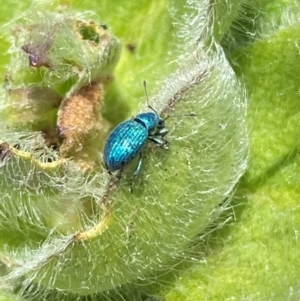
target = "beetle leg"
x: 162, y: 132
x: 160, y: 141
x: 108, y: 169
x: 138, y: 168
x: 136, y: 172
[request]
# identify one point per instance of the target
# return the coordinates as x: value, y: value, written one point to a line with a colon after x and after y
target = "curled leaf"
x: 74, y: 220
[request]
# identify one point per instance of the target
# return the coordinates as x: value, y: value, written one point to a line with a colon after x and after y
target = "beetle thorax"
x: 150, y: 120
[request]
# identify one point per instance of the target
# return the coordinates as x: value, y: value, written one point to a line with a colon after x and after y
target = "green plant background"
x: 255, y: 257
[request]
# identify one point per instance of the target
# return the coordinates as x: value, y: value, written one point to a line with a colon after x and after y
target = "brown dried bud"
x: 79, y: 124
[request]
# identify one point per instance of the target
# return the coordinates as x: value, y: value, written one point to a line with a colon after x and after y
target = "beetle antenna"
x: 148, y: 105
x: 182, y: 115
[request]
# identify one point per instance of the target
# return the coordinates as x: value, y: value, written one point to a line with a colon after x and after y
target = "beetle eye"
x: 161, y: 124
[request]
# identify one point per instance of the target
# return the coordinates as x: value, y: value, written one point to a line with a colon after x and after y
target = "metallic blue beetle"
x: 127, y: 140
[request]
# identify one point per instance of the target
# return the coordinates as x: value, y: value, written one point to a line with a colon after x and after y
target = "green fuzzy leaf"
x: 256, y: 258
x: 168, y: 238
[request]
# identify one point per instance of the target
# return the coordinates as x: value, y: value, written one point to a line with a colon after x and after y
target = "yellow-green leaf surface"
x: 7, y: 297
x: 255, y: 256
